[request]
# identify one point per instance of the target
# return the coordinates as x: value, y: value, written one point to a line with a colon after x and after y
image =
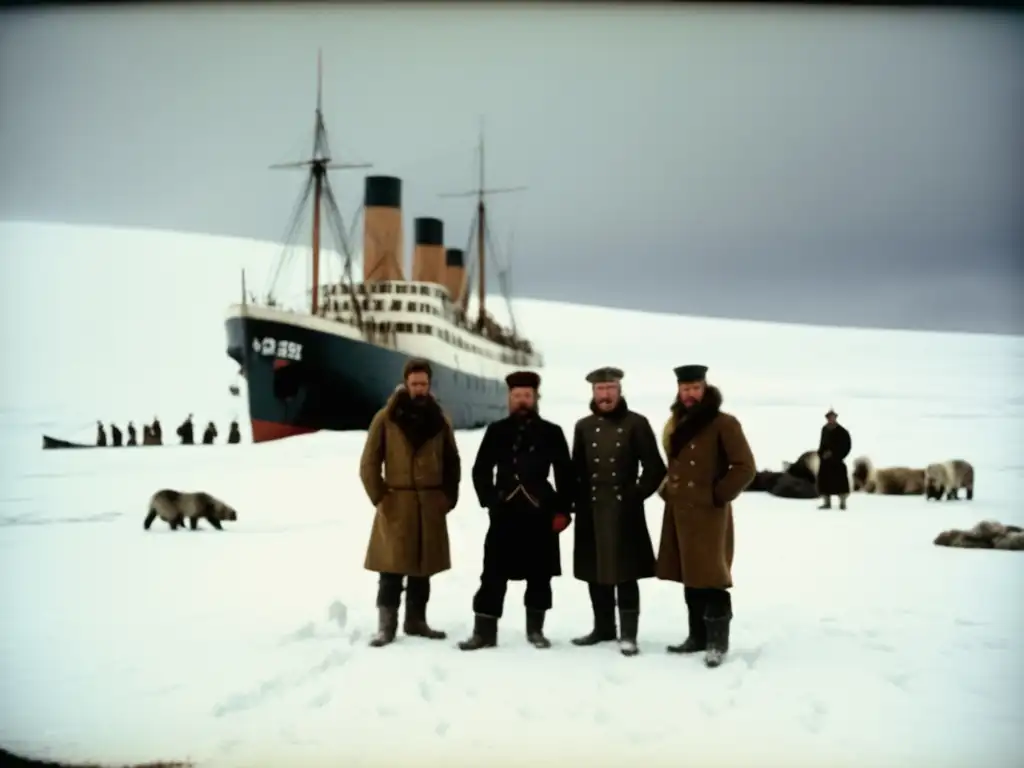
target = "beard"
x: 523, y: 410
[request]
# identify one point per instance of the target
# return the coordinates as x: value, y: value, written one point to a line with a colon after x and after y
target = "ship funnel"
x: 382, y: 229
x: 428, y: 261
x: 454, y: 273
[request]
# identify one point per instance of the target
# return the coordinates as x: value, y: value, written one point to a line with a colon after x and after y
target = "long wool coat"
x: 510, y: 476
x: 709, y: 465
x: 419, y: 485
x: 618, y: 467
x: 834, y: 447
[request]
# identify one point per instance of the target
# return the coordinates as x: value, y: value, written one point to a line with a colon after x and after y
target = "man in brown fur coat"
x: 411, y: 439
x: 709, y: 465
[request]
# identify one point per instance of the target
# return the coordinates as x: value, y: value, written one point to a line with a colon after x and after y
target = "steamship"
x: 331, y: 365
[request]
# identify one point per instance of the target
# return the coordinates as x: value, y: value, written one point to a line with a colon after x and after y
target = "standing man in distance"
x: 526, y: 512
x: 618, y: 466
x: 709, y: 464
x: 410, y: 469
x: 833, y: 448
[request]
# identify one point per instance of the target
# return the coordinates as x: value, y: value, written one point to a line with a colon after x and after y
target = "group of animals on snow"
x: 937, y: 481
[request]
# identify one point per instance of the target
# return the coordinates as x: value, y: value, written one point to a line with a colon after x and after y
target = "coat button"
x: 618, y: 497
x: 689, y: 484
x: 693, y: 446
x: 593, y: 498
x: 593, y: 445
x: 618, y: 445
x: 620, y: 430
x: 597, y: 461
x: 597, y: 429
x: 693, y: 463
x: 675, y: 478
x: 594, y: 475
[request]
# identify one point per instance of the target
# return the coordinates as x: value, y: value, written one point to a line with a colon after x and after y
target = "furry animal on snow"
x: 795, y: 481
x: 175, y: 507
x: 887, y: 481
x: 805, y: 467
x: 947, y: 478
x: 988, y: 534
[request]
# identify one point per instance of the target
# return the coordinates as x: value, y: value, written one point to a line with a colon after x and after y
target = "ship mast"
x: 318, y: 164
x: 480, y: 193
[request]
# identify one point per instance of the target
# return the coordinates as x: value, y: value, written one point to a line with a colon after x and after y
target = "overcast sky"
x: 840, y: 166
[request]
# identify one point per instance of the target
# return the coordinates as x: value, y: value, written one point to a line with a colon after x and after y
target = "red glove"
x: 560, y: 522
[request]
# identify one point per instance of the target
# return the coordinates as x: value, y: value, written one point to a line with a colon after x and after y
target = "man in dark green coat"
x: 618, y: 465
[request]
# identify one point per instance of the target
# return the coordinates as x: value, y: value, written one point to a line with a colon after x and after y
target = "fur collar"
x: 419, y: 424
x: 682, y: 427
x: 616, y: 414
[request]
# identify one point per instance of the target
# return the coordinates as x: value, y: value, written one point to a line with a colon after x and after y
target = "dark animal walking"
x: 176, y: 507
x: 618, y: 467
x: 527, y: 513
x: 709, y: 465
x: 410, y: 470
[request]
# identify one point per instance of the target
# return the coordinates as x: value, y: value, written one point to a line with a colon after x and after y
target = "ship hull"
x: 303, y: 380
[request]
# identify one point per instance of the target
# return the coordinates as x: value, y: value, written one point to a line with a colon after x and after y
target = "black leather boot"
x: 717, y: 617
x: 535, y: 629
x: 697, y: 639
x: 718, y: 641
x: 415, y: 624
x: 387, y: 627
x: 485, y: 634
x: 629, y: 622
x: 602, y: 601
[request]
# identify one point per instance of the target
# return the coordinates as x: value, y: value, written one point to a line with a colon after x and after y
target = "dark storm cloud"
x: 859, y: 167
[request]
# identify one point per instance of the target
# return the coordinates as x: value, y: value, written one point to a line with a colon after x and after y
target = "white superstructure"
x: 413, y: 318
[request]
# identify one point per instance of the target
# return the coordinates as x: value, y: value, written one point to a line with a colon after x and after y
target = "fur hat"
x: 527, y: 379
x: 686, y: 374
x: 831, y: 412
x: 605, y: 375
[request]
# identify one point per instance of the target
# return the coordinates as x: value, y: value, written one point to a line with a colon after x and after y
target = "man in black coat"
x: 526, y: 512
x: 618, y: 466
x: 833, y: 448
x: 187, y: 431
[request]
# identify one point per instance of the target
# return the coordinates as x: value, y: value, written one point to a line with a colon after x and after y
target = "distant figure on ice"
x: 234, y: 435
x: 186, y: 431
x: 157, y: 432
x: 833, y: 476
x: 209, y: 434
x: 133, y: 435
x: 510, y: 476
x: 116, y: 436
x: 101, y: 436
x: 410, y: 469
x: 618, y: 466
x: 709, y: 465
